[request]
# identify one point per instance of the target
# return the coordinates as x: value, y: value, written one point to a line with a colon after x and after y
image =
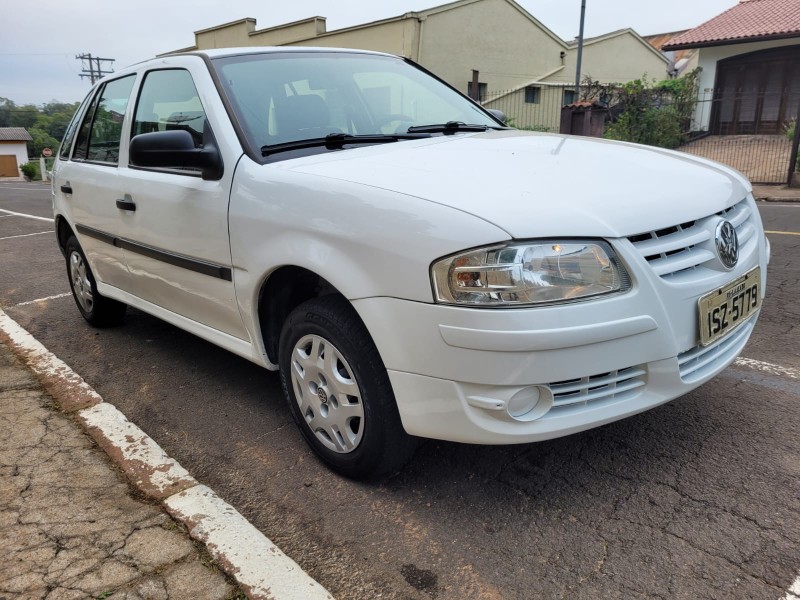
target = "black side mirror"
x: 497, y: 114
x: 175, y: 149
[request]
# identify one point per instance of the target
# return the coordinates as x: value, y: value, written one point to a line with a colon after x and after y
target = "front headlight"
x: 529, y: 273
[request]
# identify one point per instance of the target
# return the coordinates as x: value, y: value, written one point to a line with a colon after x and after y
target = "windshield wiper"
x: 336, y: 141
x: 448, y: 128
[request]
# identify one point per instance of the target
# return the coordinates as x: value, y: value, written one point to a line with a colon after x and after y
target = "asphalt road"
x: 699, y: 498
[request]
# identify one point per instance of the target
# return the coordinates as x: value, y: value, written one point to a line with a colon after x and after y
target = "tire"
x: 339, y: 392
x: 98, y: 310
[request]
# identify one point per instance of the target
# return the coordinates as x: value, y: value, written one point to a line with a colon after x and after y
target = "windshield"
x: 286, y: 97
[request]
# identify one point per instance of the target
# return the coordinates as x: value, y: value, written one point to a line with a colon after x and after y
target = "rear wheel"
x: 96, y: 309
x: 339, y: 392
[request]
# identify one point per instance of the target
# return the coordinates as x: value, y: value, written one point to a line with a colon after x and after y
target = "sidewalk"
x: 776, y: 193
x: 70, y: 526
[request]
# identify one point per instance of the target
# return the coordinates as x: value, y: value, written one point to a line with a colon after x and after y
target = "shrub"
x: 648, y: 112
x: 30, y: 170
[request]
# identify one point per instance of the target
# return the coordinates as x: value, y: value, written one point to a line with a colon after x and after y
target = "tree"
x: 41, y: 140
x: 6, y: 108
x: 46, y: 124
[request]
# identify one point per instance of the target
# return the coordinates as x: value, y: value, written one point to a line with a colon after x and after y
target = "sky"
x: 38, y: 45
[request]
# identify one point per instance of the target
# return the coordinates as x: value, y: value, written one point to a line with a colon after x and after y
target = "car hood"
x: 535, y: 185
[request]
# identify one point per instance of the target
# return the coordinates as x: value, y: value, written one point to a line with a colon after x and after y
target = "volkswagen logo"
x: 323, y: 397
x: 727, y: 244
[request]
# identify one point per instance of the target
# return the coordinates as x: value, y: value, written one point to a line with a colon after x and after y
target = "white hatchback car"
x: 410, y: 265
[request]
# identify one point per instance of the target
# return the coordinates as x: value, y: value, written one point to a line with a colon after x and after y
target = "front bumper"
x: 456, y: 372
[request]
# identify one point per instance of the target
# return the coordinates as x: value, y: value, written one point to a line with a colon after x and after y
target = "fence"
x: 746, y: 130
x: 535, y: 108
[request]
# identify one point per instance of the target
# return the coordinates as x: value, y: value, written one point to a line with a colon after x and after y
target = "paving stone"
x: 193, y: 580
x: 69, y: 526
x: 155, y: 546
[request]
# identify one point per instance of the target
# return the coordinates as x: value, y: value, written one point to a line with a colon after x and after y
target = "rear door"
x: 175, y: 232
x: 88, y: 183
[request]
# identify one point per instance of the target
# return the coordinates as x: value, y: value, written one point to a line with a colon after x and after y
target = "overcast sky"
x: 40, y: 40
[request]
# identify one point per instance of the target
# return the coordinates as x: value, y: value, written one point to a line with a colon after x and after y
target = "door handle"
x: 66, y: 189
x: 126, y: 204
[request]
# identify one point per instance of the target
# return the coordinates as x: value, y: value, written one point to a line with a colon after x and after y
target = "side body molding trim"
x: 178, y: 260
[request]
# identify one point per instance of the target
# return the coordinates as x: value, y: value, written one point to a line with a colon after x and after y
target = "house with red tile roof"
x: 750, y: 55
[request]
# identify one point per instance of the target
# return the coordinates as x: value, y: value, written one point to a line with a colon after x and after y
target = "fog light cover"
x: 530, y: 403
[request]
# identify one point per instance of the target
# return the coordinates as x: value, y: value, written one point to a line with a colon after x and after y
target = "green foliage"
x: 790, y: 130
x: 41, y: 140
x: 30, y: 170
x: 47, y: 124
x: 541, y: 128
x: 652, y: 126
x: 657, y: 113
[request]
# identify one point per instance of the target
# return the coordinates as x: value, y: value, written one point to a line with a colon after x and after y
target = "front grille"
x: 615, y: 385
x: 700, y: 362
x: 681, y: 252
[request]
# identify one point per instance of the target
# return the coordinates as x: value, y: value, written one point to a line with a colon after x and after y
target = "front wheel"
x: 339, y: 392
x: 96, y: 309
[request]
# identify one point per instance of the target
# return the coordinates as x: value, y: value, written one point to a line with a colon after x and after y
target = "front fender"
x: 365, y: 241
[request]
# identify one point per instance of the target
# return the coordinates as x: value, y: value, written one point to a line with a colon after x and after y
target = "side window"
x: 101, y: 130
x: 82, y: 143
x: 168, y: 100
x: 69, y: 135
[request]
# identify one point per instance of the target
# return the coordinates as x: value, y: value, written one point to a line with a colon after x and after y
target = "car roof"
x: 221, y: 52
x: 224, y: 52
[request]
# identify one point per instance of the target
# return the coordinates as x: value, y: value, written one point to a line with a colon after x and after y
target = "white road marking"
x: 768, y: 368
x: 143, y: 461
x: 794, y: 591
x: 13, y: 237
x: 43, y: 362
x: 16, y: 214
x: 245, y: 553
x: 27, y: 189
x: 782, y: 232
x: 56, y: 297
x: 262, y: 568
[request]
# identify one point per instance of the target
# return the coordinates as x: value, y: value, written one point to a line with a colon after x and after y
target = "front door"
x: 175, y: 232
x: 757, y: 93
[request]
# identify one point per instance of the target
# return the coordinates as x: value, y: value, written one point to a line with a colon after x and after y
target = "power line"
x: 95, y: 70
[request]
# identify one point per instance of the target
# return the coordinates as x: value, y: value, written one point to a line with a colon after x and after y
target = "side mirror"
x: 497, y: 114
x: 175, y: 149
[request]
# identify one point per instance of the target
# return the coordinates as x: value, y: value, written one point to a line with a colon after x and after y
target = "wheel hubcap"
x: 327, y: 394
x: 81, y: 286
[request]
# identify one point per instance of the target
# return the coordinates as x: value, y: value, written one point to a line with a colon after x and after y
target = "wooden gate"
x: 8, y: 165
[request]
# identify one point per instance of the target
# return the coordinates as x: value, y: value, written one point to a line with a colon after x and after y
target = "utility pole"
x: 580, y: 53
x: 95, y: 70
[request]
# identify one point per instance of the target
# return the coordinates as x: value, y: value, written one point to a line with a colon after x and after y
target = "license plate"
x: 723, y: 310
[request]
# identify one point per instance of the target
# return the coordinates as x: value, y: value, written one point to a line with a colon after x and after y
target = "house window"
x: 532, y: 94
x: 481, y: 91
x: 569, y: 97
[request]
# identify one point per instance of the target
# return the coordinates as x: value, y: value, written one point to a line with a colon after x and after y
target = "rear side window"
x: 101, y: 129
x: 69, y: 135
x: 168, y: 100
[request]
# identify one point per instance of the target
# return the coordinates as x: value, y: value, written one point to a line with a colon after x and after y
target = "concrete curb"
x: 775, y: 193
x: 790, y: 199
x: 243, y: 552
